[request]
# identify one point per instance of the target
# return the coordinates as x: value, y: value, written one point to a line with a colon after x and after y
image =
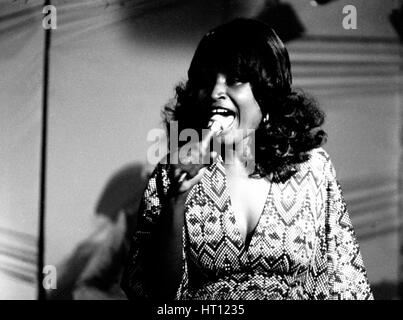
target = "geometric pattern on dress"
x: 303, y: 246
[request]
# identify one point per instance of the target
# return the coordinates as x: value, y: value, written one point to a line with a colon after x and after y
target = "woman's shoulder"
x: 159, y: 178
x: 319, y: 163
x: 319, y: 155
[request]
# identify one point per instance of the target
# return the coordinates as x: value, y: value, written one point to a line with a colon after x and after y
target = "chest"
x: 247, y: 197
x: 231, y: 222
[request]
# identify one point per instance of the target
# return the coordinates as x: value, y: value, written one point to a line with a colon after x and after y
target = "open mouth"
x: 222, y: 112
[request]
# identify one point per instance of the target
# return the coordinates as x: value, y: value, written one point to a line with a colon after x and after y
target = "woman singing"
x: 263, y: 219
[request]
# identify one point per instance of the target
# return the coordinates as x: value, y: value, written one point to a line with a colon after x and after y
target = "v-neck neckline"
x: 249, y: 237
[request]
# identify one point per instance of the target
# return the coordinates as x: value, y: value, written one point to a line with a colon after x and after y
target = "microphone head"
x: 215, y: 126
x: 218, y: 123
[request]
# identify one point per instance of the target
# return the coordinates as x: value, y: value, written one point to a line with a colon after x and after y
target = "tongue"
x: 219, y: 122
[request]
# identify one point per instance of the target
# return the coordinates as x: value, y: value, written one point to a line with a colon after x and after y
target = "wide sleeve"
x: 135, y: 276
x: 347, y: 274
x: 183, y: 290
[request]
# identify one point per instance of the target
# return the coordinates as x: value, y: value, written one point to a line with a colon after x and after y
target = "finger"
x: 213, y: 155
x: 187, y: 184
x: 182, y: 177
x: 177, y: 172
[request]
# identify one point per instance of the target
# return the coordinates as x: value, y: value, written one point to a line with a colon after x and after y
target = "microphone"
x: 219, y: 123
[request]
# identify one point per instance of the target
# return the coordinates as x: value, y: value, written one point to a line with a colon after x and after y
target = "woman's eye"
x: 235, y: 82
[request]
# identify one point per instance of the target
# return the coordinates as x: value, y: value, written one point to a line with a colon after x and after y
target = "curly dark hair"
x: 249, y: 51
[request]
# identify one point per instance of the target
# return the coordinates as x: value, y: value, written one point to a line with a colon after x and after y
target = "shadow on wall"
x: 170, y: 22
x: 175, y: 22
x: 93, y: 270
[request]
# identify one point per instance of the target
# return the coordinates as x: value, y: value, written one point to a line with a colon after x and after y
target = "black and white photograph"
x: 215, y: 151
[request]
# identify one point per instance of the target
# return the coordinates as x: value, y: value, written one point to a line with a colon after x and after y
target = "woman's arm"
x: 154, y: 268
x: 167, y: 242
x: 347, y: 274
x: 166, y: 245
x: 137, y: 273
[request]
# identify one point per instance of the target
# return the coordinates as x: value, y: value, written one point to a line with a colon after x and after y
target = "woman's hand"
x: 191, y: 165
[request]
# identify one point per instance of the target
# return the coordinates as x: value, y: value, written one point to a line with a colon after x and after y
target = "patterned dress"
x: 303, y: 247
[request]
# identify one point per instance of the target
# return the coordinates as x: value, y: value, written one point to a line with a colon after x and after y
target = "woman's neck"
x: 240, y: 161
x: 238, y: 168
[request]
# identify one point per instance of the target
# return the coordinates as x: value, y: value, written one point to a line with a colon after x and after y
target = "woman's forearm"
x: 167, y: 249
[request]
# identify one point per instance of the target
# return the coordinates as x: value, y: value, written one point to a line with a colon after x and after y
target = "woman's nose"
x: 220, y: 87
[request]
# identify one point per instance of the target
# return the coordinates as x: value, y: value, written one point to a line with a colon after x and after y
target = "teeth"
x: 221, y: 111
